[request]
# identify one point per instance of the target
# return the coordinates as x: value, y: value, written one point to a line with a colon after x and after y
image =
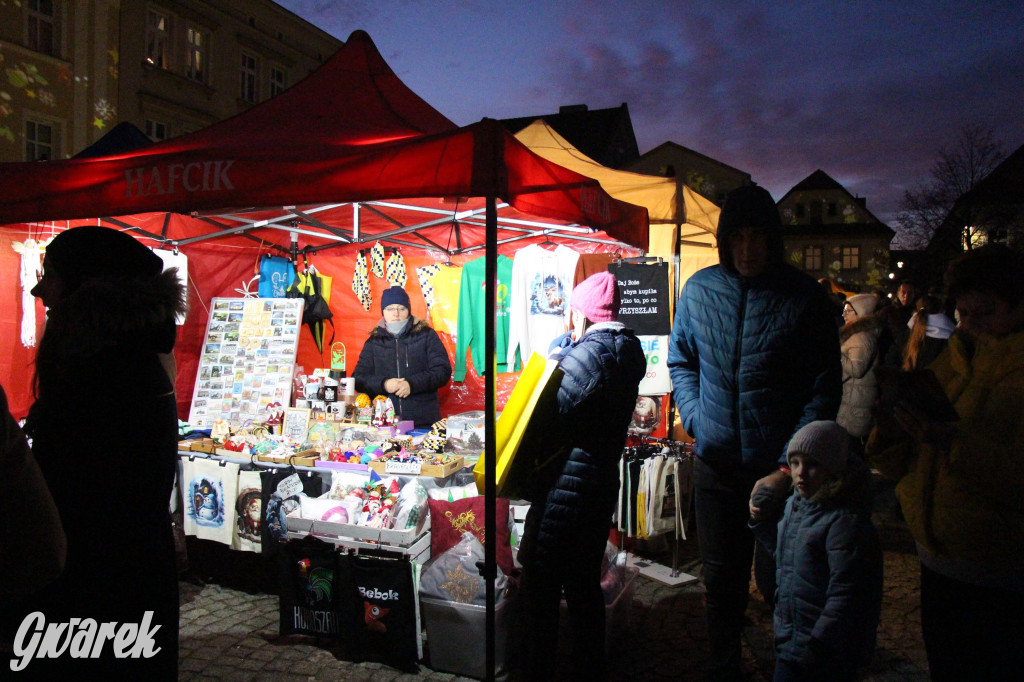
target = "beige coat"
x: 859, y: 347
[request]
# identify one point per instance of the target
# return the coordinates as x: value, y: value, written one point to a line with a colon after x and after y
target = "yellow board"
x: 530, y: 406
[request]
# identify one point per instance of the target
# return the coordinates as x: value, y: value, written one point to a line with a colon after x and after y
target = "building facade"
x: 828, y: 232
x: 75, y: 68
x: 711, y: 178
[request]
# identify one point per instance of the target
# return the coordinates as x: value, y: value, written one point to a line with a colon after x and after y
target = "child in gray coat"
x: 828, y: 560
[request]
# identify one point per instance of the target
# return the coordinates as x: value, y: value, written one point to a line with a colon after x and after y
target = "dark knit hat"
x: 394, y: 296
x: 597, y: 297
x: 825, y: 441
x: 91, y: 251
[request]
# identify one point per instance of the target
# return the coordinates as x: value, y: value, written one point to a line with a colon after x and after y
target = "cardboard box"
x: 342, y: 466
x: 456, y: 635
x: 403, y: 468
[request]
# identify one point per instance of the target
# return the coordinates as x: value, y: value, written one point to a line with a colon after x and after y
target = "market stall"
x: 345, y: 160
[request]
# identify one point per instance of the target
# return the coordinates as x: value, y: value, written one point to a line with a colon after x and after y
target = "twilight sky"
x: 868, y: 91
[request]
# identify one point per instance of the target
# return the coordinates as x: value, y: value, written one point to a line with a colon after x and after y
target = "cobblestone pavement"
x: 229, y: 634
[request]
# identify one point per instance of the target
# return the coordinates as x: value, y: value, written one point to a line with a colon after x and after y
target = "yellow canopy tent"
x: 693, y: 224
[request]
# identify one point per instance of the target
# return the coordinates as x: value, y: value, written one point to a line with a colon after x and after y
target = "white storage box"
x: 456, y: 635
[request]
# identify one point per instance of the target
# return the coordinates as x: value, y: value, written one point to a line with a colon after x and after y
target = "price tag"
x: 290, y: 486
x: 394, y: 466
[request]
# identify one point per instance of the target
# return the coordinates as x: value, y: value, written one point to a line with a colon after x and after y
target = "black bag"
x: 386, y: 603
x: 312, y: 595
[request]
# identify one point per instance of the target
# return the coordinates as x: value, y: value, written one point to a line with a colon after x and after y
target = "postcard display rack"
x: 248, y: 359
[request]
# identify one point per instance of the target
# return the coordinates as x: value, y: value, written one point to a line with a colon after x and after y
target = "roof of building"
x: 675, y: 145
x: 595, y: 132
x: 820, y: 181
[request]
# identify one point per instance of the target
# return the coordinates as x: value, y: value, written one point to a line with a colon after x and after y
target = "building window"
x: 800, y: 211
x: 832, y: 211
x: 851, y: 258
x: 247, y: 78
x: 41, y: 21
x: 156, y: 39
x: 278, y: 80
x: 40, y: 141
x: 812, y: 258
x: 156, y: 130
x: 197, y: 61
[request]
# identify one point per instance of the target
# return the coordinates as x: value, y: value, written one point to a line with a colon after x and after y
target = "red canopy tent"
x: 348, y: 156
x: 305, y: 163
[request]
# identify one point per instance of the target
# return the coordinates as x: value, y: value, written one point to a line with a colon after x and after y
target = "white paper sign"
x: 292, y: 485
x: 657, y: 380
x: 394, y: 466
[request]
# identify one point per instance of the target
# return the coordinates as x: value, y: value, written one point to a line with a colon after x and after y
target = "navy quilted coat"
x: 829, y: 572
x: 596, y: 399
x: 416, y: 355
x: 752, y: 360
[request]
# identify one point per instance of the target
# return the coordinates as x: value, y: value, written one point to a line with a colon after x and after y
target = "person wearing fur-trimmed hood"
x: 104, y: 430
x: 828, y: 560
x: 858, y: 340
x: 404, y: 359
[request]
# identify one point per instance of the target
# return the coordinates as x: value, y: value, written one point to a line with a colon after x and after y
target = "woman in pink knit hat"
x: 573, y: 498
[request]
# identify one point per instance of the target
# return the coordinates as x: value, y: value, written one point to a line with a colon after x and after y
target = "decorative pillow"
x: 449, y: 520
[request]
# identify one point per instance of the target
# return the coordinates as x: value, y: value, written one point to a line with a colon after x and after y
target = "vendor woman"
x: 405, y: 360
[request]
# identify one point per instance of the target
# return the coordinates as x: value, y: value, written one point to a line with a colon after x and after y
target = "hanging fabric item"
x: 249, y: 509
x: 443, y: 282
x: 423, y: 276
x: 377, y: 260
x: 315, y: 291
x: 472, y: 320
x: 209, y: 490
x: 396, y: 269
x: 361, y: 282
x: 31, y: 259
x: 276, y: 275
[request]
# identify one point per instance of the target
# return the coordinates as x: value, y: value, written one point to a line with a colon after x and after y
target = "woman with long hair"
x: 930, y: 329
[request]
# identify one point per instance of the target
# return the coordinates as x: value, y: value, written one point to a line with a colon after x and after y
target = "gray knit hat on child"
x: 825, y: 441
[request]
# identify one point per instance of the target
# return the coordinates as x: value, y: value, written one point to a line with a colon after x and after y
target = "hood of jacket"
x: 415, y: 326
x: 104, y: 313
x: 749, y: 206
x: 853, y: 486
x: 872, y: 324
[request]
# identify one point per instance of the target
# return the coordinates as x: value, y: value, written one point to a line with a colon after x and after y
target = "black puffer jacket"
x: 596, y: 398
x: 416, y: 355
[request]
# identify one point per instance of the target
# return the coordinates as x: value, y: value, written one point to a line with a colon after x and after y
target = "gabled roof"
x: 820, y: 181
x: 686, y: 150
x: 592, y: 131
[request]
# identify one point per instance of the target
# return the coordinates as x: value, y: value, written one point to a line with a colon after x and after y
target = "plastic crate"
x: 616, y: 612
x: 456, y: 635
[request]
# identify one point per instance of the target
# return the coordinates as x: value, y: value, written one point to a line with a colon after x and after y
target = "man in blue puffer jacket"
x: 754, y: 355
x: 573, y: 499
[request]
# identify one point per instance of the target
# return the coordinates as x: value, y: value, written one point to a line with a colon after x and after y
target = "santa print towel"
x: 209, y: 489
x: 249, y: 511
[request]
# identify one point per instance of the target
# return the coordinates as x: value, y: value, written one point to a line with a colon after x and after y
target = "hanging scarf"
x: 396, y: 270
x: 361, y: 282
x: 377, y: 260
